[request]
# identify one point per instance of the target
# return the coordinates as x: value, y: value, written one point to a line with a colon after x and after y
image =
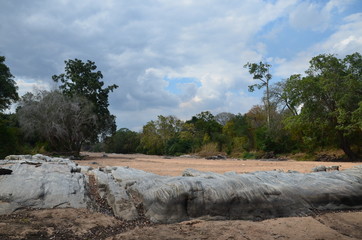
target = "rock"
x: 252, y: 196
x: 18, y: 157
x: 44, y: 185
x: 319, y: 169
x: 333, y: 168
x: 133, y: 194
x: 188, y: 156
x: 4, y: 171
x: 216, y: 157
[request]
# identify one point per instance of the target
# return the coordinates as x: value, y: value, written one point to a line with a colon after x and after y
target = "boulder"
x: 319, y: 169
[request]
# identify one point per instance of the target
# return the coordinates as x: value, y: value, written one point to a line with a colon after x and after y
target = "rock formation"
x: 43, y: 182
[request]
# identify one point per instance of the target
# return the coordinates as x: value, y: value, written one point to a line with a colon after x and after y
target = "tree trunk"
x: 346, y: 147
x: 268, y: 103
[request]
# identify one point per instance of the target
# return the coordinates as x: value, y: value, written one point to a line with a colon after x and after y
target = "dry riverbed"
x: 85, y: 224
x: 174, y: 166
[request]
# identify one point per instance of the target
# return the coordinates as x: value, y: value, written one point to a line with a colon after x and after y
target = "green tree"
x: 83, y: 79
x: 260, y: 71
x: 8, y: 88
x: 10, y: 136
x: 151, y: 142
x: 206, y: 126
x: 162, y: 136
x: 123, y: 141
x: 283, y: 95
x: 330, y: 96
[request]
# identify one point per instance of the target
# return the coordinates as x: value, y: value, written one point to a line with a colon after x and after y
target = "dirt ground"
x: 174, y: 166
x: 85, y: 224
x: 70, y: 224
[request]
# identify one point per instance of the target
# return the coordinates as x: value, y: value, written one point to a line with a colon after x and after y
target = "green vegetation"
x: 309, y: 113
x: 60, y: 121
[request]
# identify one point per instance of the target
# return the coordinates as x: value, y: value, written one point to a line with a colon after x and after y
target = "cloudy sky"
x: 174, y: 57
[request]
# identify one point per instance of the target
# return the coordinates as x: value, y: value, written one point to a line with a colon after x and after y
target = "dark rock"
x: 4, y: 171
x: 216, y: 157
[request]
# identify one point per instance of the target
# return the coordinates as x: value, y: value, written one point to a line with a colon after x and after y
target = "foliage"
x: 161, y: 136
x: 65, y: 123
x: 123, y: 141
x: 330, y: 96
x: 208, y: 150
x: 8, y: 88
x: 260, y: 71
x: 82, y: 79
x: 10, y: 136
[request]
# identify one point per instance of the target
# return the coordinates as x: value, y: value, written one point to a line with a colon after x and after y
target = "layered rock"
x: 252, y: 196
x: 38, y: 182
x: 131, y: 193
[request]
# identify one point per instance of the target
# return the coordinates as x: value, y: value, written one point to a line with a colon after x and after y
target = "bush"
x: 209, y: 149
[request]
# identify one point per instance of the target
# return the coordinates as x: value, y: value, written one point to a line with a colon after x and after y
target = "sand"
x: 174, y: 166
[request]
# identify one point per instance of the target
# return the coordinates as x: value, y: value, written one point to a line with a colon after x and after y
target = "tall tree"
x: 64, y: 122
x: 83, y: 79
x: 330, y: 97
x: 260, y: 71
x: 8, y: 88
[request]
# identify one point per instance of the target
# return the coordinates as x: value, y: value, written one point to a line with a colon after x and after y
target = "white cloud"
x: 143, y: 45
x: 31, y: 85
x: 316, y: 16
x: 347, y: 39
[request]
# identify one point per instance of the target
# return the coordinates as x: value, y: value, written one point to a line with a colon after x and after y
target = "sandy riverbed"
x: 85, y: 224
x: 174, y: 166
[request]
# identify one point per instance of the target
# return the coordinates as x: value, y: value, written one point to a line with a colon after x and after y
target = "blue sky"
x: 174, y: 57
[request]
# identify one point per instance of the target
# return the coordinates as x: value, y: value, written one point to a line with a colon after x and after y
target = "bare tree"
x: 64, y: 122
x: 224, y: 117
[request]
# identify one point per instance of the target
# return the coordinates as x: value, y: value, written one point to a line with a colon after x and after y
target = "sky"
x: 174, y: 57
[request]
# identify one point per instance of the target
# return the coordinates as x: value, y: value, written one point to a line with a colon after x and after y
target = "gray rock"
x: 18, y: 157
x: 46, y: 185
x: 251, y: 196
x: 319, y: 169
x: 40, y: 182
x: 333, y: 168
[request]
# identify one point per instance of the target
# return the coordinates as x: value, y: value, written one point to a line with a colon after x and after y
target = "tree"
x: 162, y: 136
x: 284, y: 95
x: 330, y: 96
x: 8, y: 88
x: 260, y: 71
x: 151, y: 142
x: 224, y: 117
x: 64, y: 122
x: 82, y: 79
x: 123, y: 141
x: 10, y: 136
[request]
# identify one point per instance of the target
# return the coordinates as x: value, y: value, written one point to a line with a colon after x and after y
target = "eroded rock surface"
x: 132, y: 194
x: 37, y: 182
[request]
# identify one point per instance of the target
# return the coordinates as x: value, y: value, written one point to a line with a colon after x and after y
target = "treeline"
x: 318, y: 110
